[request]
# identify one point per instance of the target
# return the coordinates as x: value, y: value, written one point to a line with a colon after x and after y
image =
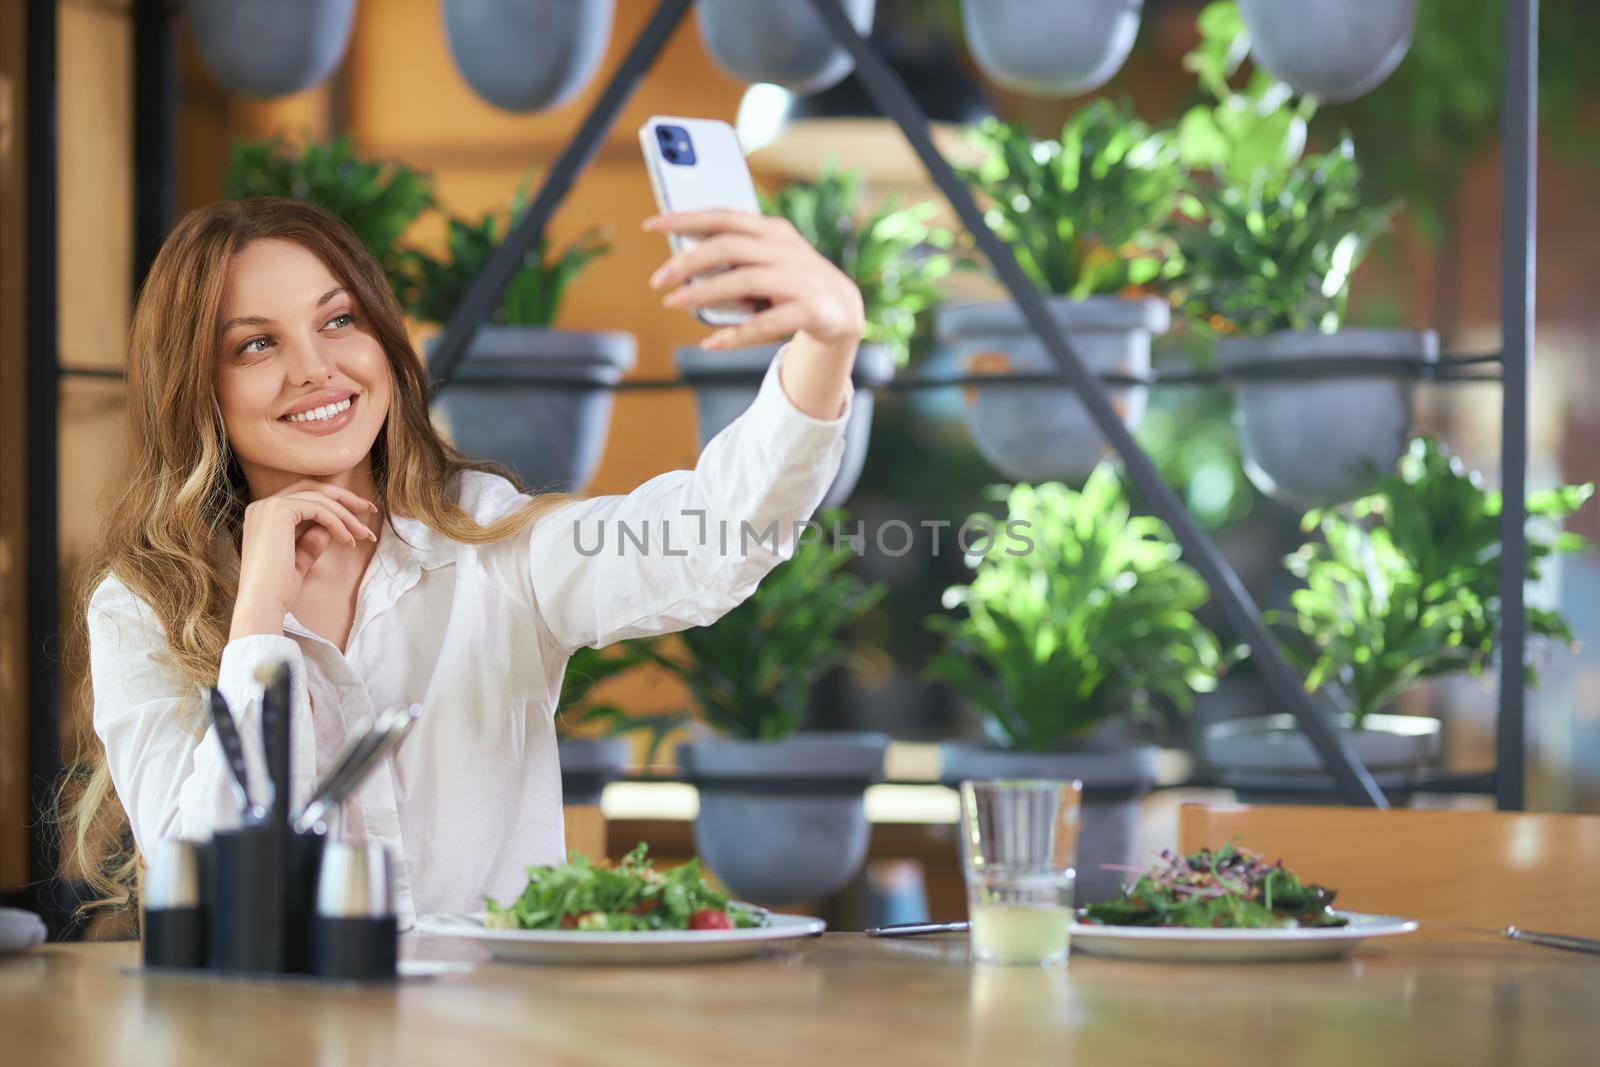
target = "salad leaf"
x: 1231, y: 887
x: 632, y: 895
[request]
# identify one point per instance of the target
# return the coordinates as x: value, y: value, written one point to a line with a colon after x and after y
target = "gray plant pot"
x: 1268, y: 760
x: 1060, y: 48
x: 524, y: 55
x: 725, y: 384
x: 1333, y: 49
x: 1115, y: 781
x: 541, y: 403
x: 1323, y: 440
x: 589, y: 764
x: 268, y: 47
x: 779, y: 41
x: 1036, y: 433
x: 784, y: 821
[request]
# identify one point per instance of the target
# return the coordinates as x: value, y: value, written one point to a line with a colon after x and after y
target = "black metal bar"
x: 490, y: 285
x: 890, y: 95
x: 154, y: 110
x: 1519, y: 113
x: 43, y: 392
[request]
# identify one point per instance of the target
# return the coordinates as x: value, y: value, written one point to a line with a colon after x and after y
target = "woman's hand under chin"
x: 766, y: 259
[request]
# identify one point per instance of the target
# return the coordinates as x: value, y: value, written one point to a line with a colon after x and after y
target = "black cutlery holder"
x: 246, y: 893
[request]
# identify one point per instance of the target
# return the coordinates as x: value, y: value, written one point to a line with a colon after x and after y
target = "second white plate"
x: 1177, y: 944
x: 604, y: 946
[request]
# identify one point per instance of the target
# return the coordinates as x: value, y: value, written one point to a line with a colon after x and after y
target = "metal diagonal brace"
x: 890, y: 95
x: 486, y: 290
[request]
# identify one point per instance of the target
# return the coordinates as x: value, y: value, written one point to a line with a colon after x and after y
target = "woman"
x: 288, y: 499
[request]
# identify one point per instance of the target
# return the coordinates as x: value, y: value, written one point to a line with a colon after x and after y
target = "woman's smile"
x: 323, y: 415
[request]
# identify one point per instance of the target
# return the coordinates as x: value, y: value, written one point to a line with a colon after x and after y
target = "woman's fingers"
x: 725, y: 250
x: 770, y: 283
x: 771, y: 325
x: 352, y: 500
x: 332, y: 514
x: 716, y: 221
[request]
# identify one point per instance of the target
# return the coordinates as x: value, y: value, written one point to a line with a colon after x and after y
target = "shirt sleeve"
x: 165, y: 759
x: 687, y: 546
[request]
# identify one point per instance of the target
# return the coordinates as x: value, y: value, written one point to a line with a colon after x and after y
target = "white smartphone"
x: 698, y: 165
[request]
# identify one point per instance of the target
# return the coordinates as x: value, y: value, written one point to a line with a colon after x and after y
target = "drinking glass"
x: 1019, y: 842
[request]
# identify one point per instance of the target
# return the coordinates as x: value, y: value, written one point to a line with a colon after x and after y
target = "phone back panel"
x: 718, y: 176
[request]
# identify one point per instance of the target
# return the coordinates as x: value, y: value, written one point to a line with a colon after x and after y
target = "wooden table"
x: 843, y: 999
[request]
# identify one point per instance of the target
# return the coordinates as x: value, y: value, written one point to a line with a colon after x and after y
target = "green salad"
x: 631, y: 895
x: 1231, y: 887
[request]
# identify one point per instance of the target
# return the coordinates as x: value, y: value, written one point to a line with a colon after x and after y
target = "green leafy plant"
x: 1084, y: 212
x: 750, y: 673
x: 1274, y: 235
x: 377, y: 200
x: 436, y: 285
x: 1404, y: 583
x: 1086, y: 614
x: 886, y: 254
x: 577, y: 710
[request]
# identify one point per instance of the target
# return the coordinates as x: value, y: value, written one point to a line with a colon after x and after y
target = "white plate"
x: 608, y: 946
x: 1176, y: 944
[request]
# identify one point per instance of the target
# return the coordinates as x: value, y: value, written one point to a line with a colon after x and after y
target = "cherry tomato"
x: 710, y: 919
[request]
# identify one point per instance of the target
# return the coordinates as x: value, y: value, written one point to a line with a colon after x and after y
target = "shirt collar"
x: 418, y: 542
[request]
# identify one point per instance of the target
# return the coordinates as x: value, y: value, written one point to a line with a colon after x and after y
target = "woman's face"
x: 303, y: 384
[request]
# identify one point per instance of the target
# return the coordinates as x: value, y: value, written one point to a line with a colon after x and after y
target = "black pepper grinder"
x: 354, y: 934
x: 174, y: 909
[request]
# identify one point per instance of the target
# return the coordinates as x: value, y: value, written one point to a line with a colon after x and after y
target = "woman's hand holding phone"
x: 759, y: 258
x: 284, y: 536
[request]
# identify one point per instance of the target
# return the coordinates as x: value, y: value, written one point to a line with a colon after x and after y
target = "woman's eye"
x: 249, y: 347
x: 340, y: 321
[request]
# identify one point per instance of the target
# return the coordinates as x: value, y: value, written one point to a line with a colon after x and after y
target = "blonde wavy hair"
x: 173, y: 536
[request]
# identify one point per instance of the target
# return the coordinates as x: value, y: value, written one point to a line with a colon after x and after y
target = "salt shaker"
x: 354, y: 934
x: 174, y: 910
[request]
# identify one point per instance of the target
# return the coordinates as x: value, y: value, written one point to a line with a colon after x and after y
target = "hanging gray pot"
x: 779, y: 41
x: 268, y: 47
x: 784, y: 821
x: 539, y: 401
x: 1034, y: 433
x: 1050, y: 47
x: 1323, y: 440
x: 725, y: 384
x: 524, y: 55
x: 1268, y: 760
x: 1333, y: 49
x: 1115, y: 781
x: 589, y: 764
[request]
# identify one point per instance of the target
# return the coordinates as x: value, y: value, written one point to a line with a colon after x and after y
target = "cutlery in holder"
x: 268, y: 898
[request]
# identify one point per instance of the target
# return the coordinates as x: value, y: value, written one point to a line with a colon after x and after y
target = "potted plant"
x: 1333, y: 49
x: 1083, y: 213
x: 377, y: 199
x: 267, y: 47
x: 533, y: 397
x: 782, y: 816
x: 1057, y: 49
x: 525, y: 55
x: 895, y: 258
x: 1267, y: 258
x: 779, y: 41
x: 1079, y: 618
x: 1401, y: 585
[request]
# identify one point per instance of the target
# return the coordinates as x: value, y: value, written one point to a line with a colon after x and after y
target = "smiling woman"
x: 287, y: 499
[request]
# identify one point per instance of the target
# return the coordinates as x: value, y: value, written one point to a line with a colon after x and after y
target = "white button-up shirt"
x: 479, y: 636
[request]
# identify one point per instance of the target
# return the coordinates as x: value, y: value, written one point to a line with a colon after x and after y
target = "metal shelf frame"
x: 153, y: 109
